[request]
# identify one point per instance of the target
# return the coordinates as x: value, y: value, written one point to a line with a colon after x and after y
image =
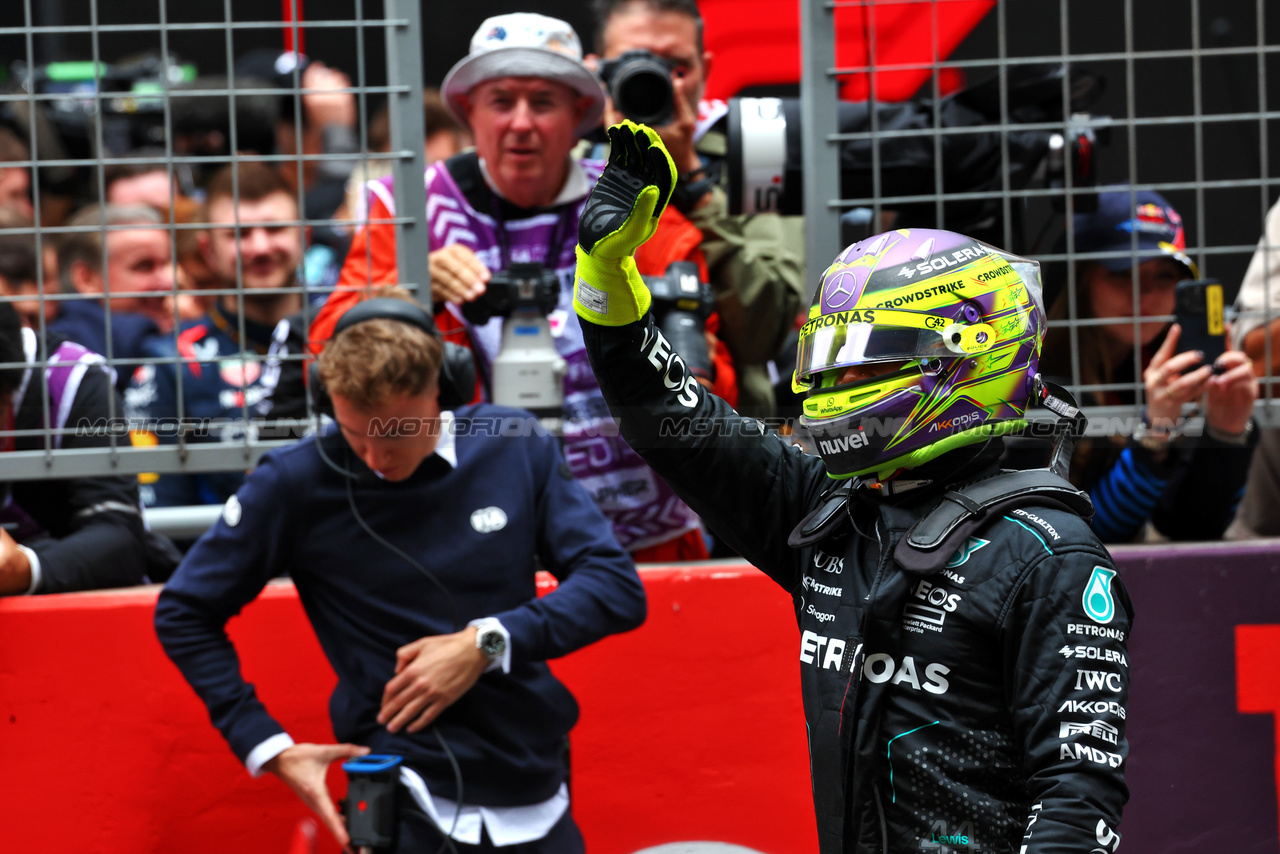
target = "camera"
x: 764, y: 169
x: 640, y: 85
x: 125, y: 97
x: 528, y: 372
x: 681, y: 305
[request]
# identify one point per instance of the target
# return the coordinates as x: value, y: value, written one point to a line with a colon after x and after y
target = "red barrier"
x: 1258, y: 676
x: 691, y: 726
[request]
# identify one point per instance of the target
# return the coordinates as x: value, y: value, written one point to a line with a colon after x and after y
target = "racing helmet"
x: 946, y: 331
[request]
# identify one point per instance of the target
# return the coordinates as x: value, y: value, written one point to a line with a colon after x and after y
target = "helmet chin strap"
x: 1070, y: 426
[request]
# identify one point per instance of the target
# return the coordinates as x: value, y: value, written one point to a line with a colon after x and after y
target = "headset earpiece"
x: 457, y: 369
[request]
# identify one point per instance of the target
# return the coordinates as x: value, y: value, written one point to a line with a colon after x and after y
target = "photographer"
x: 754, y: 262
x: 526, y: 96
x: 328, y: 123
x: 440, y: 642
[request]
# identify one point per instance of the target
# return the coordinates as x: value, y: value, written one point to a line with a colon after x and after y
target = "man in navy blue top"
x: 413, y: 537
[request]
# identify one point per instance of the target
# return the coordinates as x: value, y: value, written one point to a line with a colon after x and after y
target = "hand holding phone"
x: 1198, y: 305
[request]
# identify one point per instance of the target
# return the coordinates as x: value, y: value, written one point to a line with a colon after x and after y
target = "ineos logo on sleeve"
x: 489, y: 519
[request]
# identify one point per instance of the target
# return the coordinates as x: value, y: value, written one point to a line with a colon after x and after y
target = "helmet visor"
x: 839, y: 346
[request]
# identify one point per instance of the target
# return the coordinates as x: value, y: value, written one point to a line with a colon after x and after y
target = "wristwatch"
x: 491, y: 641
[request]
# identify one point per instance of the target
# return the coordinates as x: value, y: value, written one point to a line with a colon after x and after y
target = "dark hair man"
x: 440, y: 642
x: 754, y: 261
x: 253, y: 244
x: 526, y: 96
x: 65, y: 534
x: 962, y: 647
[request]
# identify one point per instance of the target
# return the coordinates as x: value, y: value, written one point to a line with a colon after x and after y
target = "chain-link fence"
x: 108, y: 112
x: 1016, y: 132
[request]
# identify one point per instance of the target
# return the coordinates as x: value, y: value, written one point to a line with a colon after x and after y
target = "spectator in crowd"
x: 20, y: 278
x: 440, y: 641
x: 15, y: 181
x: 253, y: 244
x: 65, y: 534
x: 1256, y: 328
x: 754, y: 262
x: 526, y: 96
x: 135, y: 285
x: 922, y: 736
x: 153, y: 184
x: 1186, y: 487
x: 445, y: 137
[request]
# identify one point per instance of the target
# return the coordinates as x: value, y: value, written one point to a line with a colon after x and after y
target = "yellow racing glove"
x: 621, y: 213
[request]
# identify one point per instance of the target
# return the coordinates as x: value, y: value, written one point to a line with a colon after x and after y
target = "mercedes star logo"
x: 841, y: 289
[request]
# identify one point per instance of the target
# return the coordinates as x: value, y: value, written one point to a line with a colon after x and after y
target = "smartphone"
x: 1198, y: 307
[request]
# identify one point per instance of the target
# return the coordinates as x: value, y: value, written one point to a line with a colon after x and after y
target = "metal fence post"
x: 818, y: 93
x: 404, y: 102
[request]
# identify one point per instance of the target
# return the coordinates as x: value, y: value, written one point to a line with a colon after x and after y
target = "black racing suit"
x: 977, y: 709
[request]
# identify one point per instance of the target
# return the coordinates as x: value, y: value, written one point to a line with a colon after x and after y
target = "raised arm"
x: 749, y: 485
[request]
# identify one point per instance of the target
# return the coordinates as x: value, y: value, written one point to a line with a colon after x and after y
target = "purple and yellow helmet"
x: 964, y: 320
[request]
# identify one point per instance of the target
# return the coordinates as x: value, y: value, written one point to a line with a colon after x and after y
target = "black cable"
x: 351, y: 477
x: 396, y: 550
x: 453, y: 605
x: 457, y: 780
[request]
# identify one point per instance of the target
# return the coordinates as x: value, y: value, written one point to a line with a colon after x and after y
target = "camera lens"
x: 640, y: 85
x: 645, y: 97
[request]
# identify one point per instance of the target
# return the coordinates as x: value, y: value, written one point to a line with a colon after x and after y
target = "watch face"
x: 492, y: 644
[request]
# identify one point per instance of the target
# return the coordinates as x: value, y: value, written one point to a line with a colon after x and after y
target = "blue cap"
x: 1120, y: 216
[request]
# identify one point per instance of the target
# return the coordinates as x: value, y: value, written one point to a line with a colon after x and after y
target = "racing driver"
x: 963, y: 633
